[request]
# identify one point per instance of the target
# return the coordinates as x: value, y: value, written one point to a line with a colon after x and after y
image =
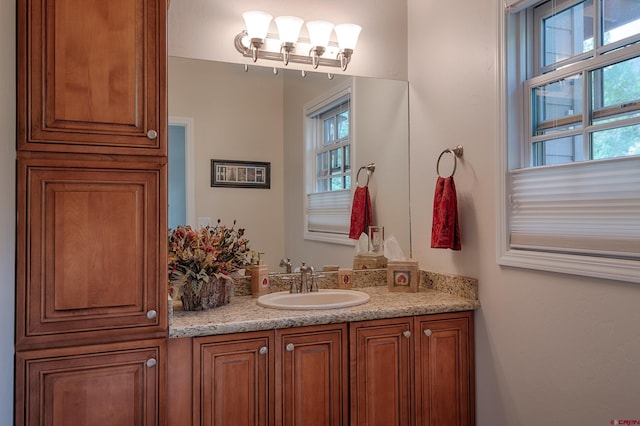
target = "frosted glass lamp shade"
x: 347, y: 35
x: 257, y: 24
x: 289, y: 28
x: 319, y: 32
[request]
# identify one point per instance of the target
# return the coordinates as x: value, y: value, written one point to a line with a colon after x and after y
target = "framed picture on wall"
x: 240, y: 174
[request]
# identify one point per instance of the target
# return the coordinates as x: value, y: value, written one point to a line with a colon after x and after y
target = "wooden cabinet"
x: 92, y: 76
x: 295, y: 376
x: 114, y: 384
x: 233, y: 380
x: 445, y: 370
x: 90, y: 260
x: 91, y: 222
x: 381, y: 360
x: 311, y: 376
x: 413, y: 371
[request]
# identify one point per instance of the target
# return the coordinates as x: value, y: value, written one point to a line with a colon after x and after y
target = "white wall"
x: 235, y: 118
x: 7, y: 200
x: 551, y: 349
x: 205, y: 29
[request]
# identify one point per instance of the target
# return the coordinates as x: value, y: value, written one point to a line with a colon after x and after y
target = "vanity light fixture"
x: 288, y: 46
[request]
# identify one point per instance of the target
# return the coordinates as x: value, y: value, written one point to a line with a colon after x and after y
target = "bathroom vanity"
x: 399, y: 359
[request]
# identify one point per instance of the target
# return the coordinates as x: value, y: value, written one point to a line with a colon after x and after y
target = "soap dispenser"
x: 259, y: 278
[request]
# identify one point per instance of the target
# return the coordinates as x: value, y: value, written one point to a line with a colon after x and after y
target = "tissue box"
x: 369, y: 261
x: 402, y: 275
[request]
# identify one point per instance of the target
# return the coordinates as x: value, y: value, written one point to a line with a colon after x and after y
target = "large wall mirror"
x: 226, y: 113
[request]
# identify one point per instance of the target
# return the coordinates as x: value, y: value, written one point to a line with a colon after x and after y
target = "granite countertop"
x: 243, y: 313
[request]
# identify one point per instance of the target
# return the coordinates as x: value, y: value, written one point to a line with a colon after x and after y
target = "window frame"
x: 332, y: 209
x: 513, y: 123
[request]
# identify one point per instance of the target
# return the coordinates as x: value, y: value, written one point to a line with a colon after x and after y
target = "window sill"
x: 589, y: 266
x: 329, y: 238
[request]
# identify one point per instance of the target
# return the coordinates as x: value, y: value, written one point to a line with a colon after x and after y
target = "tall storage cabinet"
x: 91, y: 307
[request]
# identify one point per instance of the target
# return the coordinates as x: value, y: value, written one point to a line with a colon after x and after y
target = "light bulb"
x: 257, y: 24
x: 289, y: 28
x: 347, y: 35
x: 319, y: 32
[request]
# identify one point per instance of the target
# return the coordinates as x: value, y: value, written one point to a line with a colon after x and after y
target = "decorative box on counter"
x: 402, y: 275
x: 369, y: 261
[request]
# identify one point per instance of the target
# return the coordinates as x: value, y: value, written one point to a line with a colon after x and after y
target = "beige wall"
x: 235, y: 118
x: 551, y: 349
x: 7, y: 200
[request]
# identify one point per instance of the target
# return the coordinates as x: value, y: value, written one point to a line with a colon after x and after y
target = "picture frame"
x: 240, y: 174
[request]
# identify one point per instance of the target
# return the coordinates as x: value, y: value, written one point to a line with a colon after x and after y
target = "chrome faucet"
x: 307, y: 280
x: 285, y: 262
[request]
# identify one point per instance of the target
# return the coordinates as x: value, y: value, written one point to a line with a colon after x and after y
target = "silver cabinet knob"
x: 406, y: 334
x: 152, y: 314
x: 151, y: 362
x: 263, y: 350
x: 290, y: 347
x: 427, y: 332
x: 152, y: 134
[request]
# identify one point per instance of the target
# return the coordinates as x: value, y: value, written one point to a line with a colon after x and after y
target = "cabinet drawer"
x: 93, y: 264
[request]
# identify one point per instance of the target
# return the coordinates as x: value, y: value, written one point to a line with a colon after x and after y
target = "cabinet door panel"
x: 443, y: 370
x: 233, y: 376
x: 92, y: 260
x: 91, y: 74
x: 381, y: 372
x: 91, y: 386
x: 311, y: 376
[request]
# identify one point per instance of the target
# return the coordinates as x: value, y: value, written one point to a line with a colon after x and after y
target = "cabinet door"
x: 117, y: 384
x: 91, y: 252
x: 444, y: 370
x: 381, y: 372
x: 311, y: 376
x: 233, y: 379
x: 92, y: 76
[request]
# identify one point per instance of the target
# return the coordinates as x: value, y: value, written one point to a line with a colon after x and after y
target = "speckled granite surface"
x: 438, y: 293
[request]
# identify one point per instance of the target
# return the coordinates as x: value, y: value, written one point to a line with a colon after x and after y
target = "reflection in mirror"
x: 258, y: 116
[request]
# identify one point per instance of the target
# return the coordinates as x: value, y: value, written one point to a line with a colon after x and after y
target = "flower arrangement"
x: 200, y: 263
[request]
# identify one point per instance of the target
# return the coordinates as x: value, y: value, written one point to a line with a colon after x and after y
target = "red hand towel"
x: 361, y: 212
x: 445, y: 232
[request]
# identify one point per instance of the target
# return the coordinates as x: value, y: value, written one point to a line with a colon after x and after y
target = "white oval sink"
x: 323, y: 299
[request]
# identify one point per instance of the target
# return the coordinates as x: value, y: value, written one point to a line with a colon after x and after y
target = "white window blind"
x: 586, y: 208
x: 329, y: 212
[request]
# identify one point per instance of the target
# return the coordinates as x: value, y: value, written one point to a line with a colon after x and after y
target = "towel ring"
x: 370, y: 168
x: 457, y: 153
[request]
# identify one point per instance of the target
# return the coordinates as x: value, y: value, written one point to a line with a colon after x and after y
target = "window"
x: 571, y: 137
x: 333, y: 148
x: 329, y: 151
